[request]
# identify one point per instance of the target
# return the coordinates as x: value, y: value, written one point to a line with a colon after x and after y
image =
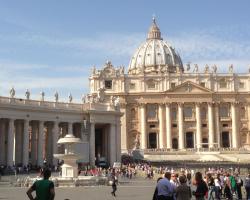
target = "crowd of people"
x: 175, y: 186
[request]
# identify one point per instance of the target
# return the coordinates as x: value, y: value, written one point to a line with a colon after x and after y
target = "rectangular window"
x: 225, y: 125
x: 108, y: 84
x: 223, y: 84
x: 203, y: 84
x: 172, y: 85
x: 132, y: 86
x: 188, y: 112
x: 224, y: 111
x: 174, y: 125
x: 204, y: 125
x: 151, y: 126
x: 151, y: 85
x: 241, y: 85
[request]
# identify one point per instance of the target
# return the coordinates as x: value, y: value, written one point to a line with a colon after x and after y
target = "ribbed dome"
x: 155, y: 55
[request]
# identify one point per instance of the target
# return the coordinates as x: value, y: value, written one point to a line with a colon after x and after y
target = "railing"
x: 194, y: 150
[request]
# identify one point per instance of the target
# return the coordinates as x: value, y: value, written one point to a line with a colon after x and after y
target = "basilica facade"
x: 171, y: 109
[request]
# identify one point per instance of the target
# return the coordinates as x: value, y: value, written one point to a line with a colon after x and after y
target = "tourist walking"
x: 114, y: 183
x: 201, y: 189
x: 239, y: 184
x: 227, y: 190
x: 44, y: 188
x: 156, y: 190
x: 247, y: 187
x: 211, y: 186
x: 217, y: 187
x: 183, y: 191
x: 166, y: 190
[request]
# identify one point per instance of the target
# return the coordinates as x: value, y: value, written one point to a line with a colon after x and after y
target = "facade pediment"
x: 189, y: 87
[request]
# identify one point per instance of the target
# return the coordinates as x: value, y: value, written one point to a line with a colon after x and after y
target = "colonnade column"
x: 92, y: 144
x: 18, y: 141
x: 168, y: 126
x: 180, y: 126
x: 210, y: 125
x: 161, y: 126
x: 55, y: 137
x: 40, y: 144
x: 26, y: 143
x: 198, y: 125
x: 112, y: 139
x: 2, y: 141
x: 10, y: 148
x: 235, y: 130
x: 143, y: 126
x: 217, y: 124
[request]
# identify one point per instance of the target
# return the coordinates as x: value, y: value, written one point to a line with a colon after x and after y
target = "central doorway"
x: 225, y: 139
x: 152, y: 140
x: 189, y: 140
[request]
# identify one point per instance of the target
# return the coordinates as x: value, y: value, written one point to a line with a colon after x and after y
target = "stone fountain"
x: 69, y: 168
x: 69, y: 176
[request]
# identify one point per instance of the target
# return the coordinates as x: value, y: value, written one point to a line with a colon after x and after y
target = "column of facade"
x: 25, y: 160
x: 124, y: 136
x: 10, y: 148
x: 118, y: 138
x: 143, y: 126
x: 210, y: 125
x: 2, y: 142
x: 161, y: 126
x: 92, y: 145
x: 180, y: 126
x: 112, y: 139
x: 217, y: 124
x: 235, y: 127
x: 198, y: 125
x: 168, y: 126
x: 55, y: 137
x: 40, y: 144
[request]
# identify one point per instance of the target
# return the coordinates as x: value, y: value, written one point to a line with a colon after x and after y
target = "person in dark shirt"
x: 44, y: 188
x: 201, y: 189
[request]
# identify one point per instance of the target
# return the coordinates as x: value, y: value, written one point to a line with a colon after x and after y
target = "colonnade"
x: 30, y: 141
x: 213, y: 125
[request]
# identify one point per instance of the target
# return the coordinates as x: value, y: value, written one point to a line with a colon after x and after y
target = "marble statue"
x: 12, y: 92
x: 117, y: 101
x: 27, y: 94
x: 83, y: 98
x: 214, y: 69
x: 56, y: 96
x: 188, y: 67
x: 196, y: 68
x: 136, y: 142
x: 231, y: 69
x: 93, y: 70
x: 70, y: 98
x: 42, y: 95
x: 206, y: 70
x: 101, y: 94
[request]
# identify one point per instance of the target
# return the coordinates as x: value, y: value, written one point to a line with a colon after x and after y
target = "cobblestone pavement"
x: 128, y: 190
x: 136, y: 189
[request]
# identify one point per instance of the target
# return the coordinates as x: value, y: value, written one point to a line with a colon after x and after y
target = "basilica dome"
x: 155, y: 55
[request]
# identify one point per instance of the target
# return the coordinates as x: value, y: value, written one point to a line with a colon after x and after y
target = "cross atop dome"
x: 154, y: 31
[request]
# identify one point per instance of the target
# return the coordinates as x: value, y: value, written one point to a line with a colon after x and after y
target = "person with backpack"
x: 247, y: 187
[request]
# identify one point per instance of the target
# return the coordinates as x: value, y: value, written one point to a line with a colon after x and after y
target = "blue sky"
x: 52, y: 45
